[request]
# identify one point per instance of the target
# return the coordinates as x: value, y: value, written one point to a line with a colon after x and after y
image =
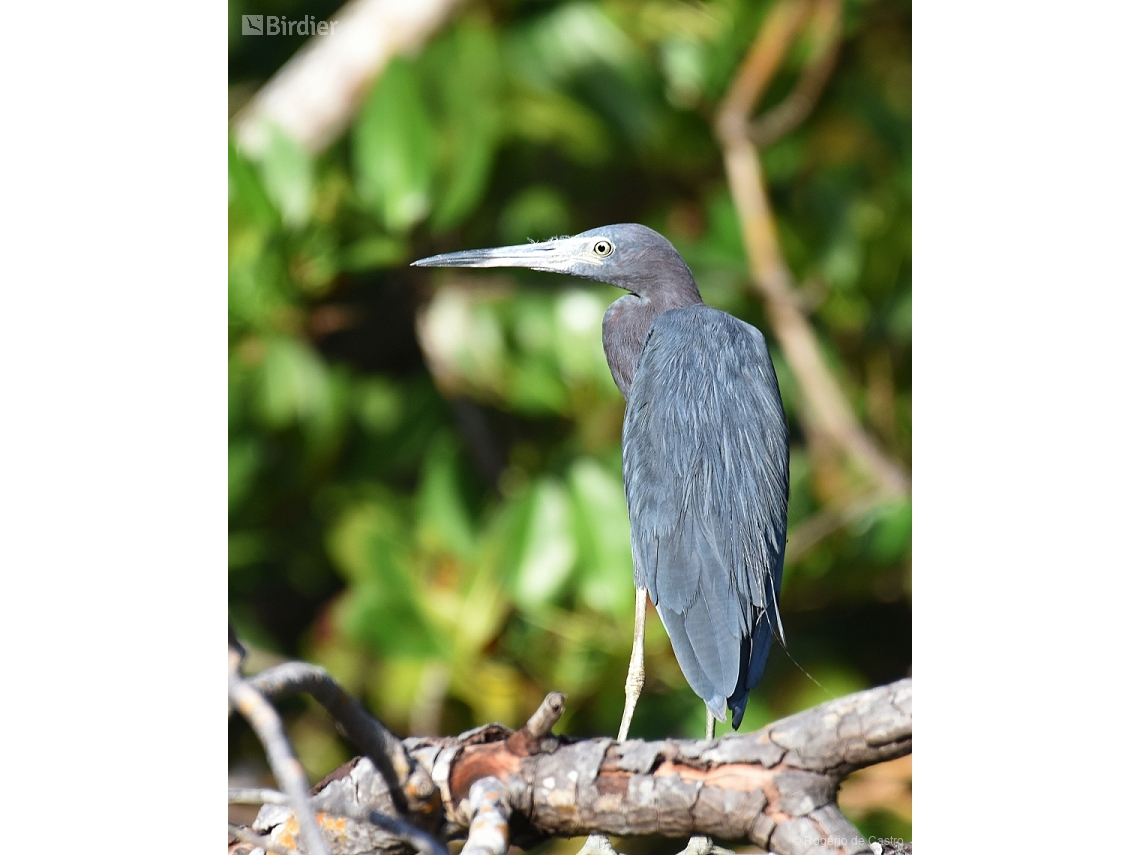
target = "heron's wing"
x: 705, y: 460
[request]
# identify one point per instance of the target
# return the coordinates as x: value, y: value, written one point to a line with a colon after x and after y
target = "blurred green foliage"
x: 425, y: 470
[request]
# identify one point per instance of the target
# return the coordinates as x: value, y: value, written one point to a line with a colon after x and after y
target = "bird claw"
x: 598, y: 844
x: 701, y: 845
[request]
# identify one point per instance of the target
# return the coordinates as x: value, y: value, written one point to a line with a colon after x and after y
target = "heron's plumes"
x: 705, y: 464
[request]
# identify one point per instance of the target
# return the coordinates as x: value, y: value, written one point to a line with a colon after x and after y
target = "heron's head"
x: 627, y: 255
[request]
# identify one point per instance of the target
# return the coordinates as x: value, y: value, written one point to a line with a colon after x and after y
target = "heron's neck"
x: 626, y: 324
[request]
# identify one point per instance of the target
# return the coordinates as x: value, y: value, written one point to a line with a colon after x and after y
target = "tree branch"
x: 265, y: 722
x: 736, y: 787
x: 815, y: 528
x: 827, y: 20
x: 827, y: 415
x: 775, y: 788
x: 405, y: 777
x: 489, y: 831
x: 315, y: 95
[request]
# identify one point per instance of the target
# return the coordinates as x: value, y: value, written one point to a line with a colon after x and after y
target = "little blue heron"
x: 704, y: 457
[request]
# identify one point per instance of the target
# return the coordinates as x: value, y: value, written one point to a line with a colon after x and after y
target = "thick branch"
x: 775, y: 788
x: 736, y: 787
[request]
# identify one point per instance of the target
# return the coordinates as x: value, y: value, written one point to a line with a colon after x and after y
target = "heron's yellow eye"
x: 603, y: 248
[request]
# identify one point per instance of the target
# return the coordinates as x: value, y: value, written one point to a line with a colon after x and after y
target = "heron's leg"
x: 635, y: 679
x: 699, y: 844
x: 599, y: 844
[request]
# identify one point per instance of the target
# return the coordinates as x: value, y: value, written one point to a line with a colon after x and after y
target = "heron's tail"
x: 753, y: 657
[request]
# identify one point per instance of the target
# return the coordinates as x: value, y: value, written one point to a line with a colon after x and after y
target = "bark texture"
x: 775, y: 788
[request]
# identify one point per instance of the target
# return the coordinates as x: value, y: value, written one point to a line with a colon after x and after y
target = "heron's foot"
x: 598, y: 844
x: 635, y: 679
x: 634, y: 682
x: 701, y: 845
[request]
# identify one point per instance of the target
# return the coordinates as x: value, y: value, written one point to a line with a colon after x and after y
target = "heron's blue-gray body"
x: 705, y: 464
x: 704, y: 453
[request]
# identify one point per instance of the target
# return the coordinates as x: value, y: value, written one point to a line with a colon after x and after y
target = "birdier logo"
x: 273, y: 25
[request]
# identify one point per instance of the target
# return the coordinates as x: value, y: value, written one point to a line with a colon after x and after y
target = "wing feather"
x: 705, y: 460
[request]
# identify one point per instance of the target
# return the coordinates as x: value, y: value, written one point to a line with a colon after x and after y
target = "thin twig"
x: 815, y: 528
x: 256, y: 796
x: 236, y: 652
x: 407, y: 832
x: 266, y: 723
x: 542, y: 721
x: 407, y: 779
x: 827, y: 414
x: 489, y: 833
x: 778, y: 29
x: 797, y: 106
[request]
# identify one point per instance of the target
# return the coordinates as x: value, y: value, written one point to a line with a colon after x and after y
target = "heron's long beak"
x: 555, y: 256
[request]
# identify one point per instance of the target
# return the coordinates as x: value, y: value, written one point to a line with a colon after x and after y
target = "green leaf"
x: 843, y: 262
x: 287, y: 170
x: 247, y: 547
x: 549, y: 117
x: 578, y: 317
x: 899, y: 320
x: 294, y: 383
x: 605, y: 566
x: 247, y: 192
x: 571, y: 38
x: 537, y: 213
x: 467, y: 68
x: 443, y: 519
x: 379, y: 405
x: 382, y: 606
x: 683, y: 62
x: 548, y: 549
x: 890, y: 534
x: 244, y: 461
x: 394, y: 149
x: 537, y: 387
x: 373, y: 252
